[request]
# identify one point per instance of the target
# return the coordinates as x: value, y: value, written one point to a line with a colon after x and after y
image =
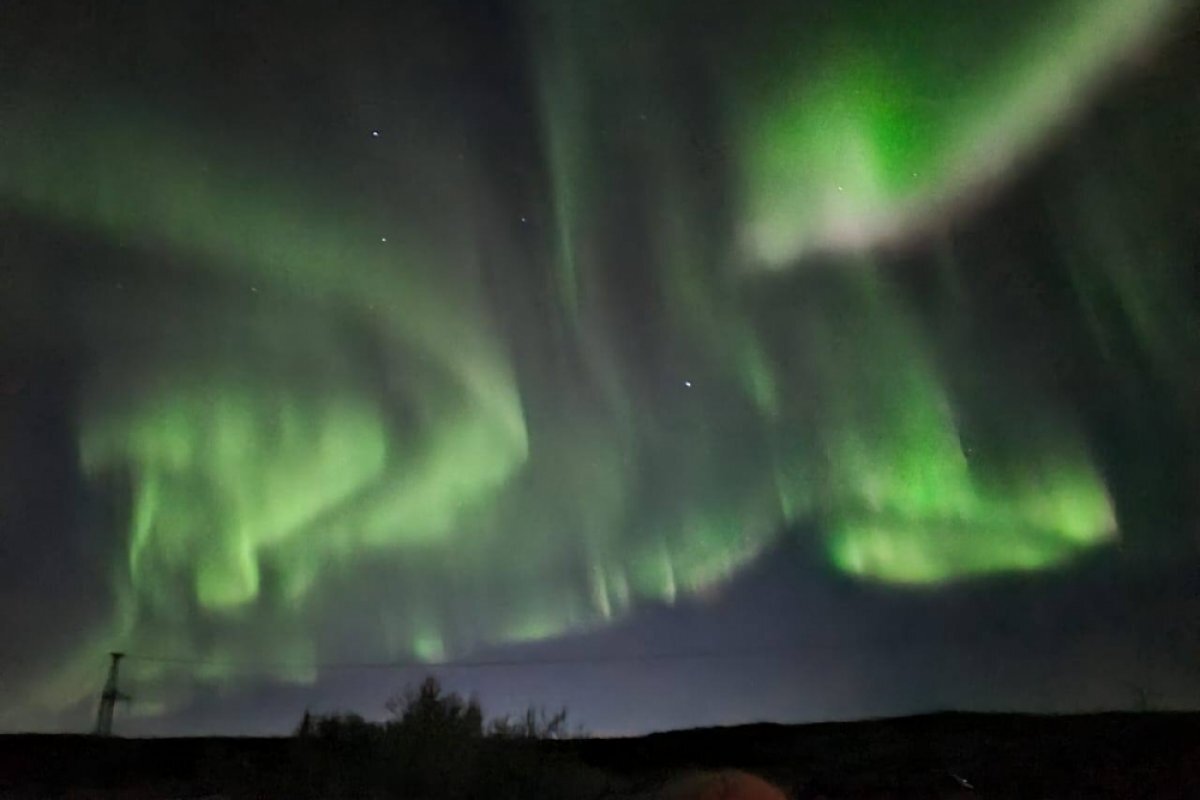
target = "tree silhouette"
x: 432, y: 712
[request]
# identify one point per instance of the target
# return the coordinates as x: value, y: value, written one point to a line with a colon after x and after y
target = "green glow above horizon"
x: 906, y: 534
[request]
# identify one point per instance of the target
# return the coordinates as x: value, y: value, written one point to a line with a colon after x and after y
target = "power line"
x: 493, y: 663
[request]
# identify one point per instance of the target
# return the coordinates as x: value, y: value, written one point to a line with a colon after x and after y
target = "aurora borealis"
x: 401, y: 332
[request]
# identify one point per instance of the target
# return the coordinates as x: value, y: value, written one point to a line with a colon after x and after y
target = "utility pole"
x: 109, y: 697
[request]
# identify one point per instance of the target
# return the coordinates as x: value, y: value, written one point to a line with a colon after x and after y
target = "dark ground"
x: 1117, y: 755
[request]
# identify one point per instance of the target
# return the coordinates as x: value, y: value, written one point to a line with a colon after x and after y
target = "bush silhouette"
x: 534, y: 724
x: 435, y: 744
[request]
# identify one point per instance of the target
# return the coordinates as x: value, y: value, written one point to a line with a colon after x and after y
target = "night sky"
x: 678, y: 362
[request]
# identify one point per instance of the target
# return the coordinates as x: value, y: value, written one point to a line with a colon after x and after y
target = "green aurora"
x: 304, y: 399
x: 893, y: 128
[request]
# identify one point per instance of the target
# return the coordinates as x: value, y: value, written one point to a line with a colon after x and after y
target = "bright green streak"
x: 929, y: 519
x: 868, y: 132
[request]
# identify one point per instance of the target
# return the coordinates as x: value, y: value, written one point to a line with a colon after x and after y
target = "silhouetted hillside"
x: 941, y: 755
x: 1000, y: 755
